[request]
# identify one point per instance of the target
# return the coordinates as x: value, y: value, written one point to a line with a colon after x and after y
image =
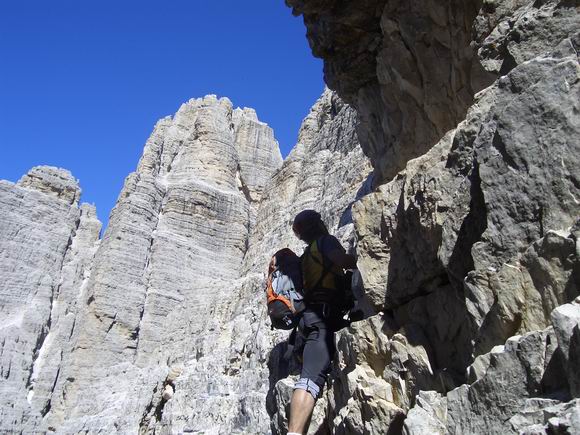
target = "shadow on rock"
x: 280, y: 367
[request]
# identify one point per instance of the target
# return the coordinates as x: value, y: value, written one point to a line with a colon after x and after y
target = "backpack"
x: 323, y: 281
x: 284, y: 289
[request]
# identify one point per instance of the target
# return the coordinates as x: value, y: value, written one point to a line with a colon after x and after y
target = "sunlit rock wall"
x: 46, y: 246
x: 161, y: 325
x: 88, y: 343
x: 229, y: 386
x: 466, y: 233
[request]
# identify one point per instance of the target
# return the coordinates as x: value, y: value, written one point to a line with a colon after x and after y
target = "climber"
x: 323, y: 262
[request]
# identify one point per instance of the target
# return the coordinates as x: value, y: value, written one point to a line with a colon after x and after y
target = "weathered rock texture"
x: 46, y: 245
x: 229, y: 387
x: 466, y: 234
x: 470, y: 114
x: 160, y: 326
x: 407, y: 67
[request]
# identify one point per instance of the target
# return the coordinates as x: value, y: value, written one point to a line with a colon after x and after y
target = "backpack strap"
x: 327, y: 267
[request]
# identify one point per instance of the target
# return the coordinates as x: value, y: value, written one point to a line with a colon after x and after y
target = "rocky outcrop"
x: 163, y: 275
x: 466, y: 233
x: 230, y: 385
x: 407, y: 68
x: 469, y: 113
x: 46, y: 246
x: 84, y: 337
x: 326, y: 171
x: 518, y: 388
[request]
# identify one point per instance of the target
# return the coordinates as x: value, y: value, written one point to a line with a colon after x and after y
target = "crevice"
x: 146, y: 418
x: 135, y: 332
x: 508, y: 64
x: 54, y: 293
x: 48, y: 405
x: 159, y: 409
x: 472, y: 228
x: 499, y: 145
x: 72, y: 329
x: 540, y: 218
x: 147, y: 273
x: 152, y: 410
x: 161, y: 149
x: 113, y: 323
x: 242, y: 186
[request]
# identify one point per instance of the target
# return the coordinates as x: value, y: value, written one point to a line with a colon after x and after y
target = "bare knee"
x: 309, y: 386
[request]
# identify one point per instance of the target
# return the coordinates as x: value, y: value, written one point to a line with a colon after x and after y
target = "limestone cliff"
x: 160, y: 326
x: 464, y: 219
x: 229, y: 386
x: 46, y: 245
x: 469, y: 112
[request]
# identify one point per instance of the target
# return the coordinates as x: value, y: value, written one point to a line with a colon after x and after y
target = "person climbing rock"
x: 326, y: 301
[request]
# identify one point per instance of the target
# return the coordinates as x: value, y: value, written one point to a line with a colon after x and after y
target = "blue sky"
x: 83, y: 82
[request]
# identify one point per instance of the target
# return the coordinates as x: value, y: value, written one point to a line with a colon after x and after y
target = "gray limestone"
x: 46, y: 245
x: 464, y: 220
x: 160, y: 326
x: 469, y: 112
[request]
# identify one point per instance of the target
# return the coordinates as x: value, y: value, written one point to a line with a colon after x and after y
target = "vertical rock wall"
x: 410, y: 60
x: 466, y: 233
x: 229, y: 386
x: 160, y: 326
x: 46, y: 245
x: 176, y: 239
x: 470, y: 114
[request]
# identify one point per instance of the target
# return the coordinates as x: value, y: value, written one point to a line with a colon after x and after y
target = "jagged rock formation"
x: 229, y: 387
x: 99, y: 336
x: 176, y: 238
x: 46, y: 245
x: 160, y: 326
x: 471, y: 235
x: 410, y: 60
x: 466, y: 233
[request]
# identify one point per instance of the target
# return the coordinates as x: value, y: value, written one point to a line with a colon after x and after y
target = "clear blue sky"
x: 83, y: 82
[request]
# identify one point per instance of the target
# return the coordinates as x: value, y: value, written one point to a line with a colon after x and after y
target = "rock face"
x: 160, y: 326
x: 164, y: 272
x: 465, y: 221
x: 407, y: 67
x: 469, y: 112
x: 46, y: 246
x: 229, y: 386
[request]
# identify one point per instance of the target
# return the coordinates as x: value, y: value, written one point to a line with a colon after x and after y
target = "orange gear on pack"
x: 284, y: 289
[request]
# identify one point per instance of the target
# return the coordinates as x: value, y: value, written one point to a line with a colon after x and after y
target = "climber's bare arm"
x: 342, y: 259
